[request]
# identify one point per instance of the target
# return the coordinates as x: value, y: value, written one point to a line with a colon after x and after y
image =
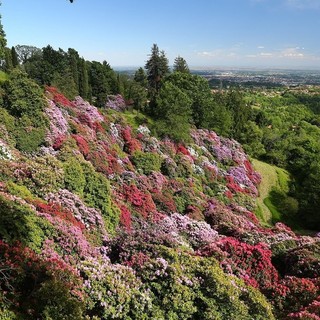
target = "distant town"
x: 259, y: 78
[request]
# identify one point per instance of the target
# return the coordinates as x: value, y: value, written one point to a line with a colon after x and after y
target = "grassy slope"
x: 272, y: 176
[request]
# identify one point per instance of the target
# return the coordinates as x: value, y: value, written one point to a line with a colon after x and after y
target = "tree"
x: 240, y: 111
x: 141, y: 77
x: 157, y: 67
x: 198, y: 91
x: 25, y: 52
x: 8, y: 60
x: 3, y: 41
x: 15, y: 60
x: 74, y: 59
x: 83, y: 79
x: 180, y: 65
x: 173, y: 113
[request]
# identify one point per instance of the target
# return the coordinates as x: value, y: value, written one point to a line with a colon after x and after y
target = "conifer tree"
x: 8, y: 60
x: 3, y: 41
x: 157, y: 67
x: 14, y: 56
x: 141, y: 77
x: 180, y: 65
x: 83, y: 79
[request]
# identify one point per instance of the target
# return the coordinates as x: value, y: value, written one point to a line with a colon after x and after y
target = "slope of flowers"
x: 119, y: 224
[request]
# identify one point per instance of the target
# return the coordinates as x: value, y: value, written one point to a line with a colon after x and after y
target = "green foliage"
x: 23, y: 96
x: 196, y: 88
x: 29, y: 138
x: 102, y: 80
x: 97, y: 194
x: 3, y: 41
x: 190, y: 287
x: 157, y: 68
x: 7, y: 120
x: 146, y: 161
x: 73, y: 176
x: 55, y: 302
x: 180, y: 65
x: 3, y: 76
x: 173, y: 113
x: 25, y: 101
x: 19, y: 190
x: 19, y: 223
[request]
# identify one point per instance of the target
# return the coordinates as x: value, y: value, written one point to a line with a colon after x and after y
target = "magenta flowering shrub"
x: 116, y: 102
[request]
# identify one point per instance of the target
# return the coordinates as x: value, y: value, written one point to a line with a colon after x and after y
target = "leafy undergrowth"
x: 104, y: 221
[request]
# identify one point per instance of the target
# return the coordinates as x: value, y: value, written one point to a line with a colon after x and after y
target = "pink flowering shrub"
x: 116, y: 102
x: 58, y: 123
x: 88, y: 111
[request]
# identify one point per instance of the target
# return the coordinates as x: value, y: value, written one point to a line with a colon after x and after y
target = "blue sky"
x: 207, y: 33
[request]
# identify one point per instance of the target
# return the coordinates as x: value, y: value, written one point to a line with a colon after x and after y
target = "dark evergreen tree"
x: 157, y: 67
x: 83, y: 79
x: 236, y: 104
x: 3, y: 41
x: 15, y: 60
x: 74, y: 61
x: 141, y: 77
x: 8, y: 60
x: 180, y: 65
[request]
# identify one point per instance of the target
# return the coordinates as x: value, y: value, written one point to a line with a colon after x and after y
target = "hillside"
x: 105, y: 221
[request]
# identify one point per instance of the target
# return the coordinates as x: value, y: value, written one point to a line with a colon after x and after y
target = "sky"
x: 206, y: 33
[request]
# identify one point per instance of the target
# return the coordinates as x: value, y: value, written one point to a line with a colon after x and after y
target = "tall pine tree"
x: 180, y: 65
x: 157, y: 67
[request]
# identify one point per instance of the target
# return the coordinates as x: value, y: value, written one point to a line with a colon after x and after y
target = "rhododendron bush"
x: 106, y: 221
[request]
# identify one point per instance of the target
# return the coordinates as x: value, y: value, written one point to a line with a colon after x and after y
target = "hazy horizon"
x: 263, y: 34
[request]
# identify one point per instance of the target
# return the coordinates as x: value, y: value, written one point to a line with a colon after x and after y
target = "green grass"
x: 272, y: 178
x: 3, y: 76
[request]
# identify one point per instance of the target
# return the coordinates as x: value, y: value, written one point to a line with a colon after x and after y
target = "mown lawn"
x: 271, y: 177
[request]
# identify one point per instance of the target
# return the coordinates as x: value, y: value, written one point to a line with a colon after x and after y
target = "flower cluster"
x: 116, y: 102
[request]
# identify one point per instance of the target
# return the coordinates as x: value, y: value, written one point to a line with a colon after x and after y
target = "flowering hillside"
x: 106, y: 221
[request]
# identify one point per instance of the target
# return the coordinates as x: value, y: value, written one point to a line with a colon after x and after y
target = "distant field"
x: 272, y: 176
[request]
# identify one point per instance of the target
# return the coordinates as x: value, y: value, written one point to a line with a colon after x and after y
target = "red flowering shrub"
x: 252, y: 263
x: 58, y: 97
x: 181, y: 149
x: 131, y: 144
x: 125, y: 217
x: 58, y: 211
x: 99, y: 161
x: 164, y: 202
x: 141, y: 202
x: 59, y: 142
x: 295, y: 296
x: 24, y: 274
x: 82, y: 144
